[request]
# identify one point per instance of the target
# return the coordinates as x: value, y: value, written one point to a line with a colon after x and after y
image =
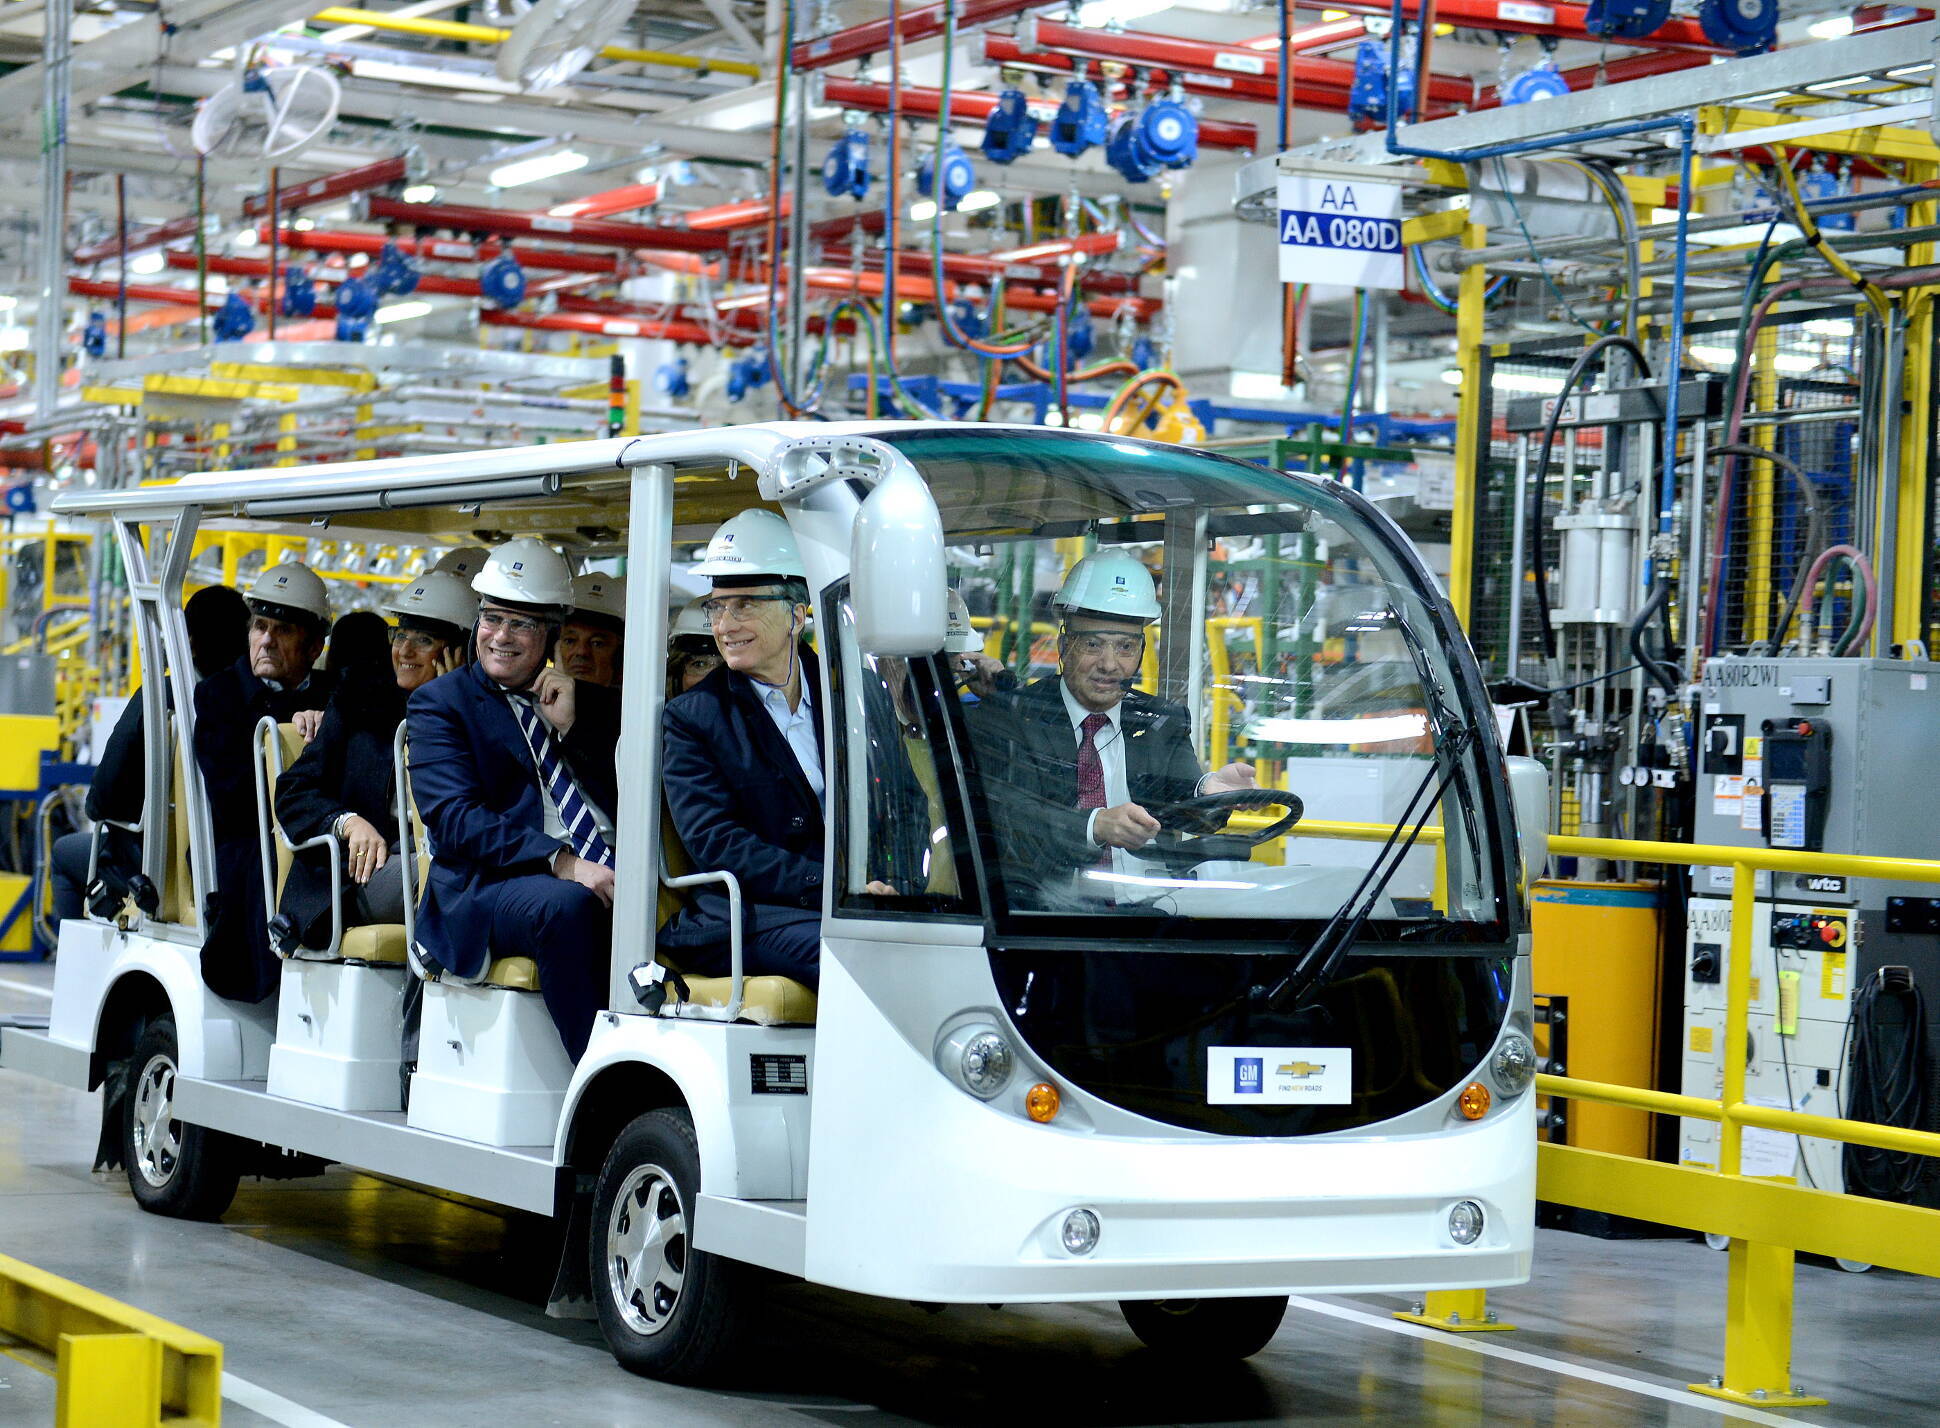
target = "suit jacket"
x: 740, y: 802
x: 119, y: 790
x: 1028, y: 758
x: 478, y: 792
x: 346, y: 769
x: 236, y: 957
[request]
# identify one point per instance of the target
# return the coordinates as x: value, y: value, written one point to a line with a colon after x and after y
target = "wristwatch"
x: 341, y: 823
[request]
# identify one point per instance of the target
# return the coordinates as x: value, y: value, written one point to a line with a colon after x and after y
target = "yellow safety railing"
x: 1767, y: 1220
x: 111, y: 1363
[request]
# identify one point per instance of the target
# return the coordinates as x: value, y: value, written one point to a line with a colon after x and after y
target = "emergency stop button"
x: 1832, y: 931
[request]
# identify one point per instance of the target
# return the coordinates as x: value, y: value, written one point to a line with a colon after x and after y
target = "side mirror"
x: 898, y: 580
x: 1529, y: 791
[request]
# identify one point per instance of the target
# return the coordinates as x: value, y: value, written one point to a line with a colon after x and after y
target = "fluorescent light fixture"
x: 1794, y: 362
x: 419, y: 193
x: 1526, y: 382
x: 1716, y: 356
x: 978, y: 198
x: 1831, y: 28
x: 1385, y: 729
x: 1747, y: 233
x: 1908, y: 71
x: 1053, y: 417
x: 304, y: 225
x: 401, y: 312
x: 1452, y: 376
x: 922, y: 211
x: 1033, y: 252
x: 148, y: 262
x: 540, y: 166
x: 15, y: 339
x: 1089, y: 421
x: 741, y: 300
x: 1098, y: 13
x: 1829, y: 327
x: 8, y: 304
x: 248, y: 238
x: 1255, y: 386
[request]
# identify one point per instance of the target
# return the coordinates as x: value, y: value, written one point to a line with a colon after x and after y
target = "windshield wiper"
x: 1318, y: 964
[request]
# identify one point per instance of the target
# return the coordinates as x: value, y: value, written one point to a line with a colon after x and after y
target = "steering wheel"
x: 1180, y: 850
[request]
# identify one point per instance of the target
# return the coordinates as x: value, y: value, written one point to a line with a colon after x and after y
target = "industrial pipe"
x: 594, y: 232
x: 328, y: 189
x: 623, y: 199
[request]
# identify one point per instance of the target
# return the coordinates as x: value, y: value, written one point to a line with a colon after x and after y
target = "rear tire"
x: 668, y: 1310
x: 185, y: 1172
x: 1217, y: 1329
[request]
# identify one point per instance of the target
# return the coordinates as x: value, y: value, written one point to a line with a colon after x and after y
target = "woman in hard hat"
x: 692, y: 654
x: 512, y: 766
x: 344, y: 782
x: 289, y: 615
x: 594, y: 635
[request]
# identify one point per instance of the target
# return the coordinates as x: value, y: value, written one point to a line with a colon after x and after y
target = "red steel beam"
x: 829, y: 230
x: 1521, y: 17
x: 328, y: 188
x: 921, y: 22
x: 453, y: 250
x: 972, y: 107
x: 743, y: 213
x: 606, y: 203
x: 1200, y: 57
x: 976, y: 267
x: 596, y: 325
x: 173, y: 297
x: 594, y: 232
x: 139, y: 241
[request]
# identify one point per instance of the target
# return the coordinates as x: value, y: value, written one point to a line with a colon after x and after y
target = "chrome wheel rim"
x: 646, y: 1249
x: 157, y: 1135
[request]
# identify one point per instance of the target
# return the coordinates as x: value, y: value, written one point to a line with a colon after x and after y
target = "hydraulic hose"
x: 1869, y: 583
x: 1533, y: 517
x: 1815, y: 531
x: 1661, y: 672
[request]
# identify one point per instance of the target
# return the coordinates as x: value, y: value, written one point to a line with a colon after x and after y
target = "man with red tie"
x: 1073, y: 764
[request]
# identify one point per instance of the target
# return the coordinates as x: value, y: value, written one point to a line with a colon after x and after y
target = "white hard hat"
x: 291, y: 588
x: 438, y: 595
x: 962, y: 636
x: 1113, y: 583
x: 692, y: 620
x: 526, y: 571
x: 600, y: 594
x: 752, y: 544
x: 466, y: 561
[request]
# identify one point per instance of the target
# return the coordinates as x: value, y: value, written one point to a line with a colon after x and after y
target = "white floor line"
x: 28, y: 987
x: 273, y: 1406
x: 1471, y: 1342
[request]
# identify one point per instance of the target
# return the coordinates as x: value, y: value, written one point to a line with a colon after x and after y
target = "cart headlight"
x: 1465, y: 1222
x: 978, y: 1058
x: 1513, y: 1066
x: 1080, y: 1232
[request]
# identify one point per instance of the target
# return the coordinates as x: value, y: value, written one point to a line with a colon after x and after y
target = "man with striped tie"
x: 512, y: 766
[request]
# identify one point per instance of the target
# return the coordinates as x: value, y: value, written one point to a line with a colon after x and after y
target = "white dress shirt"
x: 555, y: 825
x: 797, y: 726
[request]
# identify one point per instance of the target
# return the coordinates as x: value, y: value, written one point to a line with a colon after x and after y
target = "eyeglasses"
x: 739, y: 607
x: 1123, y: 646
x: 519, y: 626
x: 417, y: 641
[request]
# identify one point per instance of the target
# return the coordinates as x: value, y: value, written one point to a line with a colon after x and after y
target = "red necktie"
x: 1091, y: 769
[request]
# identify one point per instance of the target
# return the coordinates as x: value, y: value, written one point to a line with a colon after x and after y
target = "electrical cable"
x: 1533, y: 519
x: 1870, y: 586
x: 1889, y: 1084
x: 1662, y: 672
x: 1810, y: 228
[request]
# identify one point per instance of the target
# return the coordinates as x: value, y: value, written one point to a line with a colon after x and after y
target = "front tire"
x: 1219, y: 1329
x: 668, y: 1311
x: 185, y: 1172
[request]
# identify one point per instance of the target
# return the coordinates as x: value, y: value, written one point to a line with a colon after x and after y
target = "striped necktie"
x: 574, y: 812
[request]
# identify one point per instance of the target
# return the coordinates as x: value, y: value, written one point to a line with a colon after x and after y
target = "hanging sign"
x: 1345, y: 234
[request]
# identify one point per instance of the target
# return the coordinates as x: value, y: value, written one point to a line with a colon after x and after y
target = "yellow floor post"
x: 108, y: 1381
x: 1758, y: 1331
x: 1456, y: 1311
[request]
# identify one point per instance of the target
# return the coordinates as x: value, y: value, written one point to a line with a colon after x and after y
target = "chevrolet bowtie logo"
x: 1299, y: 1070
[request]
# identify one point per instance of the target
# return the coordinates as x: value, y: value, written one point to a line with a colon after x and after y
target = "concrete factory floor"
x: 352, y: 1301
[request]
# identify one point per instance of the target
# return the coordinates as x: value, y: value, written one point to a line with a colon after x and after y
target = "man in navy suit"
x: 512, y: 767
x: 289, y: 616
x: 742, y: 751
x: 1070, y: 763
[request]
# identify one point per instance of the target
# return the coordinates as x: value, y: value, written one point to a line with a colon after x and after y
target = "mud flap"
x: 114, y: 1099
x: 572, y: 1288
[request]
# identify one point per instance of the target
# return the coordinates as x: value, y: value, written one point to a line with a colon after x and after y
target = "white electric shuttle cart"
x: 1284, y: 1048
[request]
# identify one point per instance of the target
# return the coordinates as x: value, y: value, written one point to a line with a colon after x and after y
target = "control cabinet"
x: 1808, y: 754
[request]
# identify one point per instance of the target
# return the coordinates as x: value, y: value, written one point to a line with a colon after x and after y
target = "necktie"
x: 1091, y: 768
x: 573, y: 812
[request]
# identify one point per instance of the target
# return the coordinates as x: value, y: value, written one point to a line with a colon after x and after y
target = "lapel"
x: 767, y: 740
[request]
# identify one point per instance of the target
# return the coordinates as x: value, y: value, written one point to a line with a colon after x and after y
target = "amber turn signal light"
x: 1474, y: 1101
x: 1041, y: 1102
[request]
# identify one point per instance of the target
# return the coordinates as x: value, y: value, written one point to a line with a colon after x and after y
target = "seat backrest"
x: 286, y: 750
x: 674, y: 859
x: 178, y: 886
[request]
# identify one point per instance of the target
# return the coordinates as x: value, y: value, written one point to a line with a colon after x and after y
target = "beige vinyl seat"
x: 381, y: 942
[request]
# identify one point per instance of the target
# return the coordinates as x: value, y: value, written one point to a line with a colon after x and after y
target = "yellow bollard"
x: 1758, y: 1331
x: 108, y: 1381
x: 1456, y: 1311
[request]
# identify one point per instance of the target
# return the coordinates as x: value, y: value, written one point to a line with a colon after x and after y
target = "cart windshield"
x: 1289, y: 656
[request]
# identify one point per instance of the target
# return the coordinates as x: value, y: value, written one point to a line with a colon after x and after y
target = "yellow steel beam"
x: 1433, y: 227
x: 1775, y: 860
x: 112, y: 396
x: 293, y: 376
x: 1879, y: 141
x: 108, y: 1381
x: 1456, y: 1311
x: 1635, y: 1098
x: 1470, y: 318
x: 46, y: 1310
x: 172, y: 384
x: 1911, y: 539
x: 492, y: 35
